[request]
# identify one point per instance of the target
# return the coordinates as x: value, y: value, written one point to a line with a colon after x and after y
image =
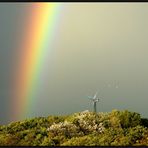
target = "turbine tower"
x: 94, y: 99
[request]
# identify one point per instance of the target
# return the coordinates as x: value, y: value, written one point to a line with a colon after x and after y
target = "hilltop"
x: 115, y: 128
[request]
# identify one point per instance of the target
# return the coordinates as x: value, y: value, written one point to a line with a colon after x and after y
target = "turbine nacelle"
x: 94, y: 98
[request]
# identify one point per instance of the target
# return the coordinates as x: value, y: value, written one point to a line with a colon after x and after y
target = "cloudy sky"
x: 99, y: 47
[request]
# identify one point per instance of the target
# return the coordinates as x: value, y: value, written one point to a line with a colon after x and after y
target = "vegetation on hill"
x: 116, y: 128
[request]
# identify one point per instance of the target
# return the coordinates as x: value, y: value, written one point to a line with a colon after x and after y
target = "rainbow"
x: 36, y: 44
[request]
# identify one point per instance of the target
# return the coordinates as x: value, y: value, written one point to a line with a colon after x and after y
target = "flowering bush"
x: 87, y: 122
x: 64, y: 128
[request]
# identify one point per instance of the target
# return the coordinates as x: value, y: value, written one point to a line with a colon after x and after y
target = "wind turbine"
x: 94, y: 99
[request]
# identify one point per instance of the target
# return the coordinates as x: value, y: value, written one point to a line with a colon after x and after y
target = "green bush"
x: 47, y: 142
x: 82, y: 141
x: 144, y: 122
x: 117, y: 128
x: 8, y: 140
x: 121, y: 141
x: 129, y: 119
x: 136, y: 133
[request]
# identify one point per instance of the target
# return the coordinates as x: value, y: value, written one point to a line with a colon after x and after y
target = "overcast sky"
x: 97, y: 47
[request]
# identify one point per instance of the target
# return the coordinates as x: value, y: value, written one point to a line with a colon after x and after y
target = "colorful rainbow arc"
x: 37, y: 43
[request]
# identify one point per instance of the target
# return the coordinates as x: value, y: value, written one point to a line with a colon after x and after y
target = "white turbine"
x: 94, y: 99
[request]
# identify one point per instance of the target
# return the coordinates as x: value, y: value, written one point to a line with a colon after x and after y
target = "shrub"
x: 117, y: 128
x: 82, y: 141
x: 144, y: 122
x: 143, y: 141
x: 8, y: 140
x: 47, y: 142
x: 121, y: 141
x: 64, y: 128
x: 136, y: 133
x: 129, y: 119
x: 87, y: 122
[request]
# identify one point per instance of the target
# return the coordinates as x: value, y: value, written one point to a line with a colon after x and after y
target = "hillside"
x: 116, y: 128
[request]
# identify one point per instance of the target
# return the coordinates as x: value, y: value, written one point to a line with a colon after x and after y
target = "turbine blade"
x: 89, y: 97
x: 95, y: 95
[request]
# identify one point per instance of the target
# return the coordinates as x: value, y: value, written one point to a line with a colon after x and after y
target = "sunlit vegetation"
x: 116, y: 128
